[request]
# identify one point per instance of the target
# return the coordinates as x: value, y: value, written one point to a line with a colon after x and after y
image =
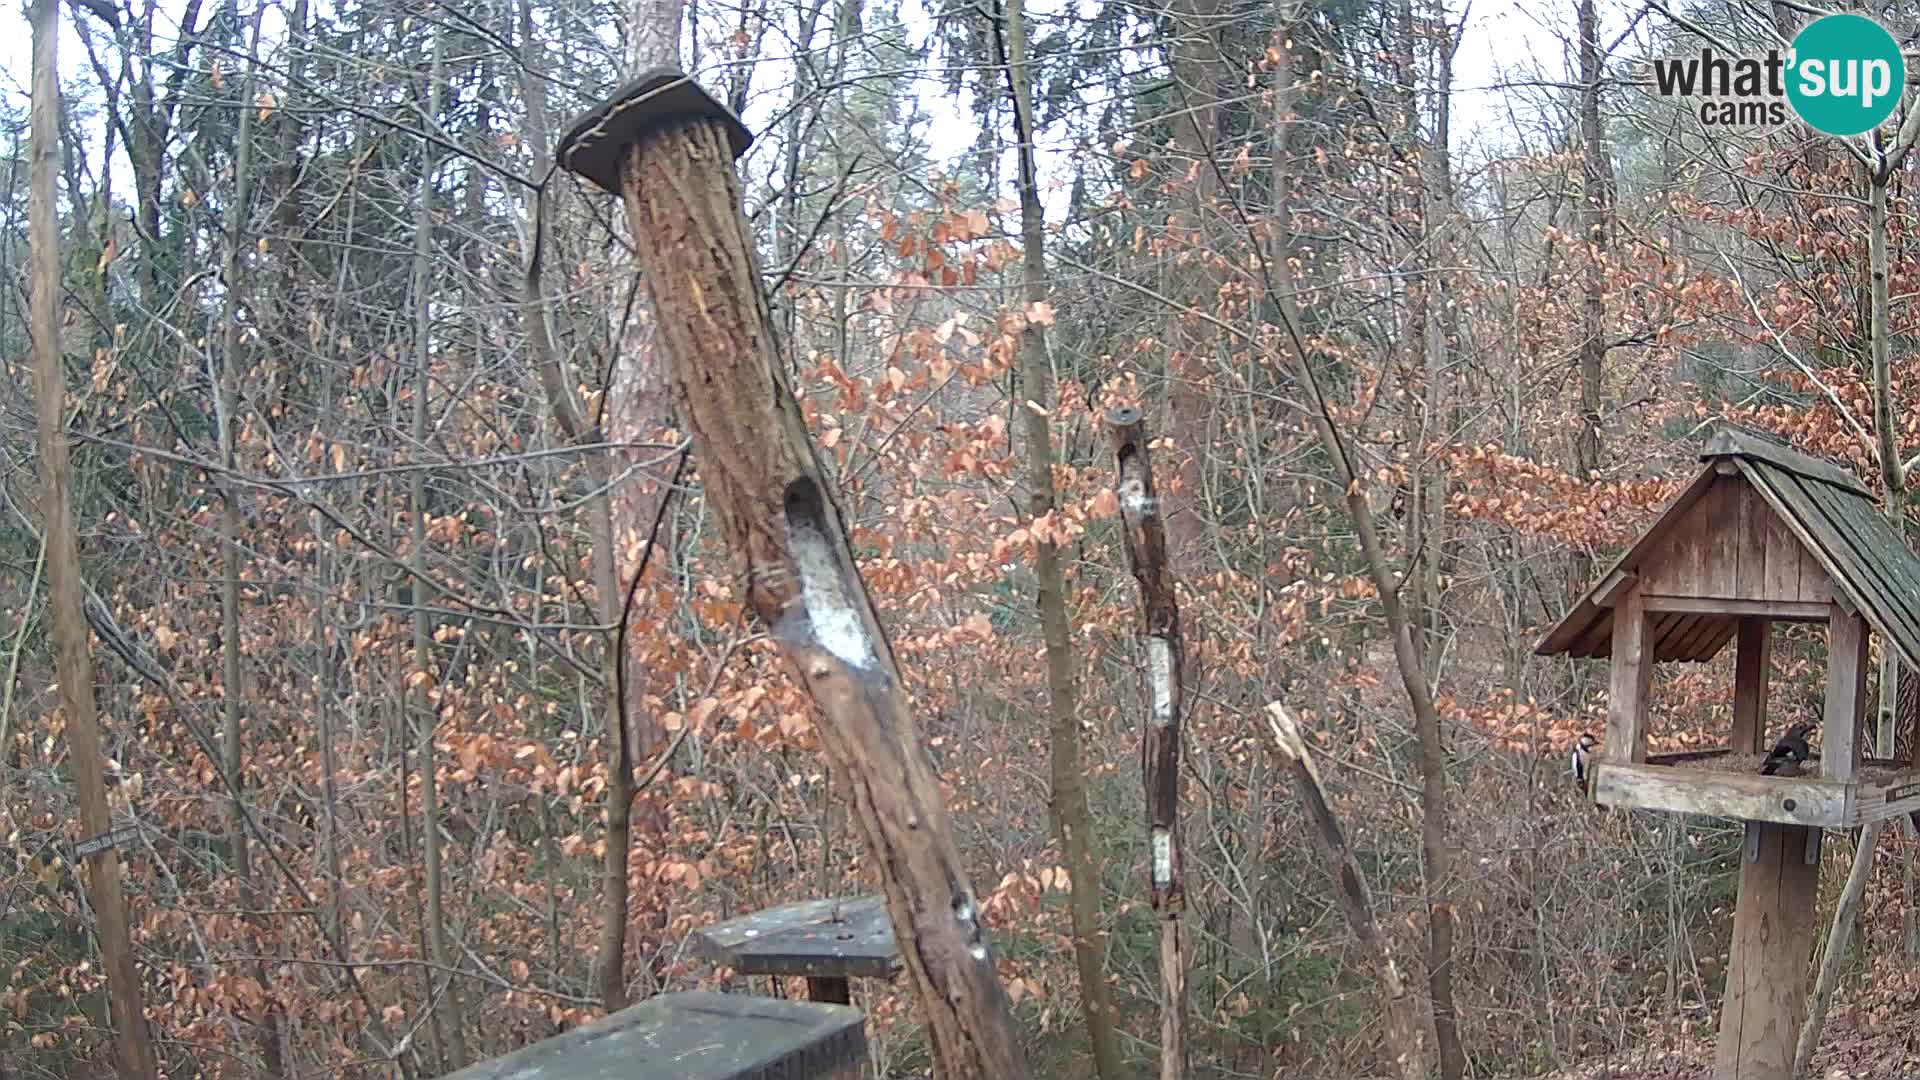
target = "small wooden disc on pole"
x: 667, y: 147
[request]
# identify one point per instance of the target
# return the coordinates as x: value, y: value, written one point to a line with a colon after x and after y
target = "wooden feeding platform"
x: 827, y: 941
x: 696, y: 1036
x: 1763, y: 534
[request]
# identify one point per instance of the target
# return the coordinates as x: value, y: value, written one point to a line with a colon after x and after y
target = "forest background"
x: 369, y: 439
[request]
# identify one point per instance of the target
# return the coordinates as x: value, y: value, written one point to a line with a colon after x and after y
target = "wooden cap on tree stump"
x: 596, y: 144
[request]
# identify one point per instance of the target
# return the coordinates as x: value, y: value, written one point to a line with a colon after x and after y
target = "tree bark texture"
x: 772, y: 501
x: 1404, y: 1044
x: 1197, y: 63
x: 1072, y: 820
x: 1146, y: 540
x: 132, y: 1043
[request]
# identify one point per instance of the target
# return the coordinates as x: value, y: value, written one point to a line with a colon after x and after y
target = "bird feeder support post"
x: 667, y: 148
x: 1773, y: 931
x: 1846, y: 695
x: 1752, y: 670
x: 1632, y: 673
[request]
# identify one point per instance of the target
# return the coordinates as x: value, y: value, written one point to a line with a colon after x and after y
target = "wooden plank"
x: 1729, y: 441
x: 1751, y: 518
x: 1613, y: 587
x: 1783, y: 558
x: 1740, y: 796
x: 1841, y: 732
x: 695, y: 1036
x: 1752, y: 674
x: 1578, y: 622
x: 1892, y: 799
x: 1631, y: 675
x: 1678, y: 756
x: 1783, y: 610
x: 834, y: 938
x: 1875, y: 563
x: 1773, y: 928
x: 1666, y: 632
x: 1709, y: 629
x: 1718, y: 539
x: 1598, y: 640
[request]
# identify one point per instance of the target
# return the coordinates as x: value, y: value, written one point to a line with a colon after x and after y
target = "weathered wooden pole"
x: 1160, y: 739
x: 667, y: 147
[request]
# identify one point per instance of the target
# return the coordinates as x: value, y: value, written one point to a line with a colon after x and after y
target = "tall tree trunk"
x: 1072, y: 821
x: 132, y: 1043
x: 448, y: 1008
x: 1596, y: 205
x: 1196, y: 58
x: 638, y: 405
x: 233, y: 677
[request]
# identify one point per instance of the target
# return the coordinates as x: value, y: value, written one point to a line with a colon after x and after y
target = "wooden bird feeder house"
x: 1762, y: 535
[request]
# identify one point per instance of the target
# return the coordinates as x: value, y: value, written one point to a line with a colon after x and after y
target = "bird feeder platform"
x: 1763, y: 534
x: 1721, y: 783
x: 827, y: 941
x: 697, y: 1036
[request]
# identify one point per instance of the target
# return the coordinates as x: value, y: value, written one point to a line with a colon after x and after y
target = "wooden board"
x: 1632, y: 672
x: 695, y: 1036
x: 1773, y: 926
x: 1881, y: 800
x: 836, y: 938
x: 1792, y: 801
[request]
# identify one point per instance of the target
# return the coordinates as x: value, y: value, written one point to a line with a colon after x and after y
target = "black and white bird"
x: 1789, y: 753
x: 1581, y: 764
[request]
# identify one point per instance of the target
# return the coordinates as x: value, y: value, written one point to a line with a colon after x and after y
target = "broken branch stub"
x: 668, y: 149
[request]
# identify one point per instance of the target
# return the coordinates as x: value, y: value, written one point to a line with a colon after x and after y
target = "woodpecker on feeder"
x: 1789, y: 753
x: 1581, y: 765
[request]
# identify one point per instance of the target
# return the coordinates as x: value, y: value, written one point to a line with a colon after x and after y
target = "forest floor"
x: 1873, y: 1034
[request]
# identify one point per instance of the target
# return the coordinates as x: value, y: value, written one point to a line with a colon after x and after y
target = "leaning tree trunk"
x: 74, y: 667
x: 1072, y: 820
x: 667, y: 147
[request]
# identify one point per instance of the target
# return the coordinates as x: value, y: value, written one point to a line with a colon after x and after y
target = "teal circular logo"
x: 1846, y: 74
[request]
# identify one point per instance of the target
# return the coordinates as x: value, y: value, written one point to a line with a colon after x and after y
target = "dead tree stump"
x: 667, y: 148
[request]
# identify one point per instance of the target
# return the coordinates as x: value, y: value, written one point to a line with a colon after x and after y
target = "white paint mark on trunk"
x: 1160, y: 677
x: 835, y: 623
x: 1134, y: 498
x: 1162, y: 857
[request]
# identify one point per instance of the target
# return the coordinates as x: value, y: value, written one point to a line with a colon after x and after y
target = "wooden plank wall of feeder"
x: 1160, y: 736
x: 668, y: 147
x: 1730, y: 545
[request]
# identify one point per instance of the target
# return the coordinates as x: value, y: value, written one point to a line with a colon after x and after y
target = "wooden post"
x: 668, y: 148
x: 1773, y: 928
x: 1160, y: 737
x: 1840, y: 735
x: 1632, y: 674
x: 1752, y: 670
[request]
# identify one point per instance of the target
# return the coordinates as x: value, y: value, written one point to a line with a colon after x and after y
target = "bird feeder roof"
x: 1756, y: 501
